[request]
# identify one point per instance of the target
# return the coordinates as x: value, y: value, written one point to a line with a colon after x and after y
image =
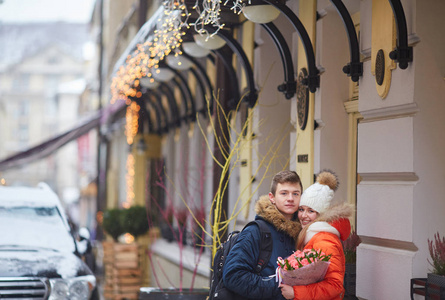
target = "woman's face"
x: 306, y: 215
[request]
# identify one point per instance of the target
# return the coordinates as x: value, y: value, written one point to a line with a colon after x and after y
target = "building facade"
x: 372, y: 117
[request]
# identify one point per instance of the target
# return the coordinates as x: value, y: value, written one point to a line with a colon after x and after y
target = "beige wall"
x: 331, y: 139
x: 429, y: 129
x: 399, y: 159
x: 272, y: 117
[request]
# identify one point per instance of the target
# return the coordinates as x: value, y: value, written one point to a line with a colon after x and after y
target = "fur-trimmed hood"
x: 334, y: 220
x: 337, y: 212
x: 269, y: 212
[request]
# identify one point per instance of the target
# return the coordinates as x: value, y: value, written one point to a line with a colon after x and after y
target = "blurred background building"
x: 48, y: 109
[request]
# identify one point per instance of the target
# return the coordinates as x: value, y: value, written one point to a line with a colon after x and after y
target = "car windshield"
x: 40, y: 227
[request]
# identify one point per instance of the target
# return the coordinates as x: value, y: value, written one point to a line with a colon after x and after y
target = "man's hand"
x: 287, y: 291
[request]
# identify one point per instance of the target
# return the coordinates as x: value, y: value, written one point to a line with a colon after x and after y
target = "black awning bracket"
x: 160, y: 109
x: 174, y: 110
x: 145, y: 101
x: 289, y: 87
x: 403, y: 54
x: 235, y: 95
x: 198, y: 73
x: 354, y: 68
x: 313, y: 79
x: 189, y: 106
x: 143, y: 114
x: 202, y: 88
x: 187, y: 97
x: 252, y: 95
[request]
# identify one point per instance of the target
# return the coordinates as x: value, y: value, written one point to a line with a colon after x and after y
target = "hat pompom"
x: 328, y: 178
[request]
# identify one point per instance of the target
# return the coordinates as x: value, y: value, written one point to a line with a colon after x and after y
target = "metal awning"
x: 184, y: 108
x: 51, y: 145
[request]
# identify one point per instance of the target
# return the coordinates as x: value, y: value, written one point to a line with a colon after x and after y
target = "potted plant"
x: 436, y: 248
x: 350, y: 251
x: 134, y: 220
x: 111, y: 223
x: 125, y: 268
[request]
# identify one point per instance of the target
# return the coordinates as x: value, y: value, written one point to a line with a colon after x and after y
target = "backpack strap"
x: 266, y: 244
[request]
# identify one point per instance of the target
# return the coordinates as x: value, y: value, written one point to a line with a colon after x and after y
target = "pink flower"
x: 299, y: 259
x: 304, y: 262
x: 303, y: 267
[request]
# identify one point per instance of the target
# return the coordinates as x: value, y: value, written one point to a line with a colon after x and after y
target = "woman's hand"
x: 287, y: 291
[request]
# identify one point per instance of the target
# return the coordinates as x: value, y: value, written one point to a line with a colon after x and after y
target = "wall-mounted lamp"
x: 262, y: 13
x: 149, y: 83
x: 194, y: 50
x: 179, y: 62
x: 163, y: 74
x: 209, y: 42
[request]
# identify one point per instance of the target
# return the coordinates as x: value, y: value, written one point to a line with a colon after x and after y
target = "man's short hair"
x: 285, y: 176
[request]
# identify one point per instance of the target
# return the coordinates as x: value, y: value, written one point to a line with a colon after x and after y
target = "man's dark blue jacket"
x: 239, y: 270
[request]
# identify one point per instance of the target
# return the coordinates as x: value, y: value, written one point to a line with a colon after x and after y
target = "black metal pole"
x: 100, y: 182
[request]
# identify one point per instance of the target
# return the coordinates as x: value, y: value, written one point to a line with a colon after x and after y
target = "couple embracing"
x: 296, y: 221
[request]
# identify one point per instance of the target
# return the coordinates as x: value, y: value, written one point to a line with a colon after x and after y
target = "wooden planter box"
x: 127, y: 267
x: 123, y: 271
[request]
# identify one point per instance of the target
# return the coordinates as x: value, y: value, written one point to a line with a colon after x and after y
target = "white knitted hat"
x: 319, y: 195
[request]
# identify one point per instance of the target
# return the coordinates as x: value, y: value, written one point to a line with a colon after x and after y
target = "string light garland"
x: 167, y: 38
x: 132, y: 121
x: 209, y: 14
x: 238, y: 6
x: 144, y: 60
x: 130, y: 181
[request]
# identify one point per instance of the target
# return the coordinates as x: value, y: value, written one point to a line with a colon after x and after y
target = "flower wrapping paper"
x: 308, y: 274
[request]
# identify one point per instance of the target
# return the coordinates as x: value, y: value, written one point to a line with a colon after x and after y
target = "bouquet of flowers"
x: 303, y: 267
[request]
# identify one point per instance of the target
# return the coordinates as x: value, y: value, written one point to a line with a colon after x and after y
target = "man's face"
x: 287, y: 198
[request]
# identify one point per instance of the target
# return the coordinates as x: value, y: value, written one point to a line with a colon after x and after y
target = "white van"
x: 38, y: 253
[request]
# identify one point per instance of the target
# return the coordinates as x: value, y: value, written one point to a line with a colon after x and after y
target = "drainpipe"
x: 101, y: 144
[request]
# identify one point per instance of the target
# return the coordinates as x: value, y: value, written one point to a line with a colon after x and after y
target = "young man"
x: 278, y: 210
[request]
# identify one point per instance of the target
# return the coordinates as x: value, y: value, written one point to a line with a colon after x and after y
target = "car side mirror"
x: 84, y: 234
x: 84, y: 243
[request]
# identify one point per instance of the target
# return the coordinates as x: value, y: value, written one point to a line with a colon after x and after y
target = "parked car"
x: 39, y: 257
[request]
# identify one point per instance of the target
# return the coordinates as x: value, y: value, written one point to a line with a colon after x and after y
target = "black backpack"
x: 217, y: 288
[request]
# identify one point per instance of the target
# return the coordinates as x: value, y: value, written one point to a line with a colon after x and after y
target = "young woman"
x: 323, y: 227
